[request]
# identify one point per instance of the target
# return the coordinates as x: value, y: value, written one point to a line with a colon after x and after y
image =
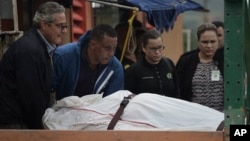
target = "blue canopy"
x: 163, y: 13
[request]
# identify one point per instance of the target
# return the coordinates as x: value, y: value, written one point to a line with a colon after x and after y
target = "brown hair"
x: 205, y: 27
x: 150, y: 34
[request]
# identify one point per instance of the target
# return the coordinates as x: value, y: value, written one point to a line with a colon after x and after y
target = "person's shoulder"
x: 191, y: 52
x: 219, y: 54
x: 167, y: 59
x: 68, y: 47
x: 188, y: 58
x: 115, y: 63
x: 28, y: 37
x: 221, y: 50
x: 29, y: 42
x: 136, y: 66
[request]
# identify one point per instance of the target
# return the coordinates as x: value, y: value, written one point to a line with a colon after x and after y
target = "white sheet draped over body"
x: 145, y: 111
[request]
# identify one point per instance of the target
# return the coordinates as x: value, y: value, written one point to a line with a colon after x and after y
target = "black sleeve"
x: 180, y: 74
x: 29, y: 73
x: 130, y: 80
x: 176, y: 83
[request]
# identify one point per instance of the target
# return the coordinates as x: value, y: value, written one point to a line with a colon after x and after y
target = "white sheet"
x: 145, y: 111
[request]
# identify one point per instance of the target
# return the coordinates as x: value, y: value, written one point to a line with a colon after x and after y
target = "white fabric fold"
x: 145, y: 111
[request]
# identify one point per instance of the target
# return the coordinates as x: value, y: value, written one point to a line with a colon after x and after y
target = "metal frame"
x: 236, y: 63
x: 9, y: 36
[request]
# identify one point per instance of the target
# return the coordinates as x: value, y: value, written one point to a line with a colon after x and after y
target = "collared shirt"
x: 50, y: 47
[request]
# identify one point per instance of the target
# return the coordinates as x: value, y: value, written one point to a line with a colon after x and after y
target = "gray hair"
x: 46, y: 11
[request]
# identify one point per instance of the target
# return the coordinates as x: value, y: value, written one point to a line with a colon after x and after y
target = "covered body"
x: 145, y: 111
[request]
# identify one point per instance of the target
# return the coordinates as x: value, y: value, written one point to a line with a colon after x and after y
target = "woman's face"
x: 153, y: 50
x: 208, y: 43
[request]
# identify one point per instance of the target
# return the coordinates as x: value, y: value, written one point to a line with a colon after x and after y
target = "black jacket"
x: 25, y: 76
x: 186, y: 67
x: 142, y: 77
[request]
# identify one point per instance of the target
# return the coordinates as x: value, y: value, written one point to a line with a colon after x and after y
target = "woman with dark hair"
x: 154, y: 73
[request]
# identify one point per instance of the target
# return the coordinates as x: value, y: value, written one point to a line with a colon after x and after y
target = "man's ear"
x: 43, y: 25
x: 92, y: 44
x: 143, y: 48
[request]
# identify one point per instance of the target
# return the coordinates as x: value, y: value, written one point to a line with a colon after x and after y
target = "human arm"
x: 32, y: 86
x: 130, y: 79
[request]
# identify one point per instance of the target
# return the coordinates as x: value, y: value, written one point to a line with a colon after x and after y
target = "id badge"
x: 215, y: 75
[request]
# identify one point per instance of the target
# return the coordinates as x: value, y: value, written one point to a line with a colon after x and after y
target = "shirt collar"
x: 50, y: 47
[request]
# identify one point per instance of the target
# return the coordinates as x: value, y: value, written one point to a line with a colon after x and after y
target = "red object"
x: 79, y: 19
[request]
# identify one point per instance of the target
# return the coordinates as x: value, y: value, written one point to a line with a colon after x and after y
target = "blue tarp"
x: 163, y: 13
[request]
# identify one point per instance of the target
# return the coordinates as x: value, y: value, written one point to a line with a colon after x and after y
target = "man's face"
x: 104, y: 50
x: 220, y: 32
x: 53, y: 32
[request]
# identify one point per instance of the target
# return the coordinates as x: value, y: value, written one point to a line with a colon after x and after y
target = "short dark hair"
x: 150, y: 34
x: 46, y: 11
x: 218, y: 24
x: 100, y: 30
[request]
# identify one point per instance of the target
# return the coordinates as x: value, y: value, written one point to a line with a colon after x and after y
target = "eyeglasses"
x: 62, y: 26
x: 154, y: 49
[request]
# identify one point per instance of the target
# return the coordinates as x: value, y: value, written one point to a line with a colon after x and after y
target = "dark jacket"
x: 25, y: 78
x: 67, y: 69
x: 142, y: 77
x: 186, y: 67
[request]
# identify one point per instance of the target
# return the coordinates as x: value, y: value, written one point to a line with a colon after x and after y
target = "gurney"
x: 145, y: 111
